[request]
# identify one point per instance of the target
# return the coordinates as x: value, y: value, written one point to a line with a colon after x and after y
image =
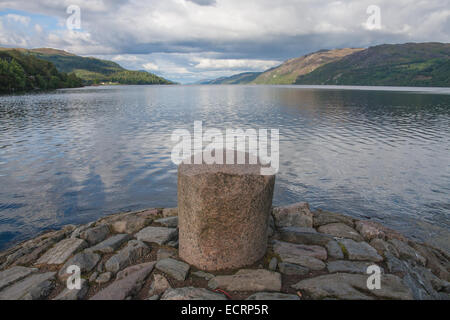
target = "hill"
x: 93, y: 70
x: 410, y: 64
x: 290, y: 70
x: 22, y: 72
x: 241, y: 78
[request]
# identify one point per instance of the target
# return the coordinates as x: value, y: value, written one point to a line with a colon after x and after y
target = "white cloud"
x: 180, y: 35
x: 18, y: 18
x: 38, y: 28
x: 150, y: 66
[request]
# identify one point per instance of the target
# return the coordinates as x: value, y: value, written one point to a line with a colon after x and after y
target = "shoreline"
x: 325, y: 248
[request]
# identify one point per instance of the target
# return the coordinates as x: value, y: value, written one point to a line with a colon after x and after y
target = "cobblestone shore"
x: 311, y: 255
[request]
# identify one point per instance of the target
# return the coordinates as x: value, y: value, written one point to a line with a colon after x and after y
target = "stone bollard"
x: 223, y: 213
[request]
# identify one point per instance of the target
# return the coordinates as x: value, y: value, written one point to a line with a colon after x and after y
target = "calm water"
x: 72, y: 156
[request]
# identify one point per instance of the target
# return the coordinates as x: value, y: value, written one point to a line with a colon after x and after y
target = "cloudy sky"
x: 190, y: 40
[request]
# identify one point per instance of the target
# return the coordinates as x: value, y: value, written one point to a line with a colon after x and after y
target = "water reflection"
x: 74, y: 155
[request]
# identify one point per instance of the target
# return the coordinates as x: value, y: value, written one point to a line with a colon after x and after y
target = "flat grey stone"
x: 370, y: 229
x: 62, y: 251
x: 292, y: 269
x: 171, y: 222
x: 159, y: 235
x: 204, y: 275
x: 383, y: 247
x: 406, y: 252
x: 34, y: 287
x: 301, y: 235
x: 295, y: 215
x: 93, y: 276
x: 159, y: 285
x: 130, y: 223
x: 348, y: 266
x: 74, y: 294
x: 360, y: 251
x: 164, y: 253
x: 340, y: 230
x: 191, y: 293
x: 248, y: 280
x: 272, y: 296
x: 30, y: 255
x: 281, y: 247
x: 306, y: 256
x: 126, y: 256
x: 353, y: 286
x: 9, y: 276
x: 334, y: 250
x: 111, y: 244
x: 86, y: 261
x: 174, y: 268
x: 394, y: 264
x: 76, y: 233
x: 322, y: 217
x: 126, y: 286
x: 104, y: 277
x: 96, y: 234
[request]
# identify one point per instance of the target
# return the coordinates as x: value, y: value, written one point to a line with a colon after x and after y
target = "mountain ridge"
x: 92, y: 70
x: 409, y: 64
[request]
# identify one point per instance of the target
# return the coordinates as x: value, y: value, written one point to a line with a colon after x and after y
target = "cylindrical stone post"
x: 223, y: 213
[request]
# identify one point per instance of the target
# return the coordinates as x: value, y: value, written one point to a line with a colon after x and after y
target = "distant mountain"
x: 241, y: 78
x: 410, y: 64
x: 93, y: 70
x: 291, y: 69
x: 23, y: 72
x: 287, y: 72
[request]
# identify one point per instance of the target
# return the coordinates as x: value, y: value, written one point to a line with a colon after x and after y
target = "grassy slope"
x: 290, y: 70
x: 241, y: 78
x: 36, y: 73
x: 411, y: 64
x: 93, y: 70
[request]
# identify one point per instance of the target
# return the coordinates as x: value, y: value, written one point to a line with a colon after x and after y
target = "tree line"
x: 22, y: 72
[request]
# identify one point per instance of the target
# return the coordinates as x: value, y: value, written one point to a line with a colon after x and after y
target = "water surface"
x: 72, y: 156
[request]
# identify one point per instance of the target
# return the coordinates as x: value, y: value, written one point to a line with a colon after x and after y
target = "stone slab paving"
x: 174, y: 268
x: 353, y: 286
x: 349, y: 266
x: 359, y: 250
x: 62, y: 251
x: 14, y: 274
x: 96, y: 234
x: 74, y: 294
x: 248, y: 280
x: 159, y: 235
x: 111, y: 244
x: 330, y: 252
x: 34, y: 287
x: 127, y: 285
x: 306, y: 256
x: 273, y: 296
x: 127, y: 256
x: 171, y: 222
x: 295, y: 215
x: 340, y: 230
x: 86, y: 261
x: 191, y: 293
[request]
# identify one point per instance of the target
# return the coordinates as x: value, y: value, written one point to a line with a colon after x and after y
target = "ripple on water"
x: 71, y: 156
